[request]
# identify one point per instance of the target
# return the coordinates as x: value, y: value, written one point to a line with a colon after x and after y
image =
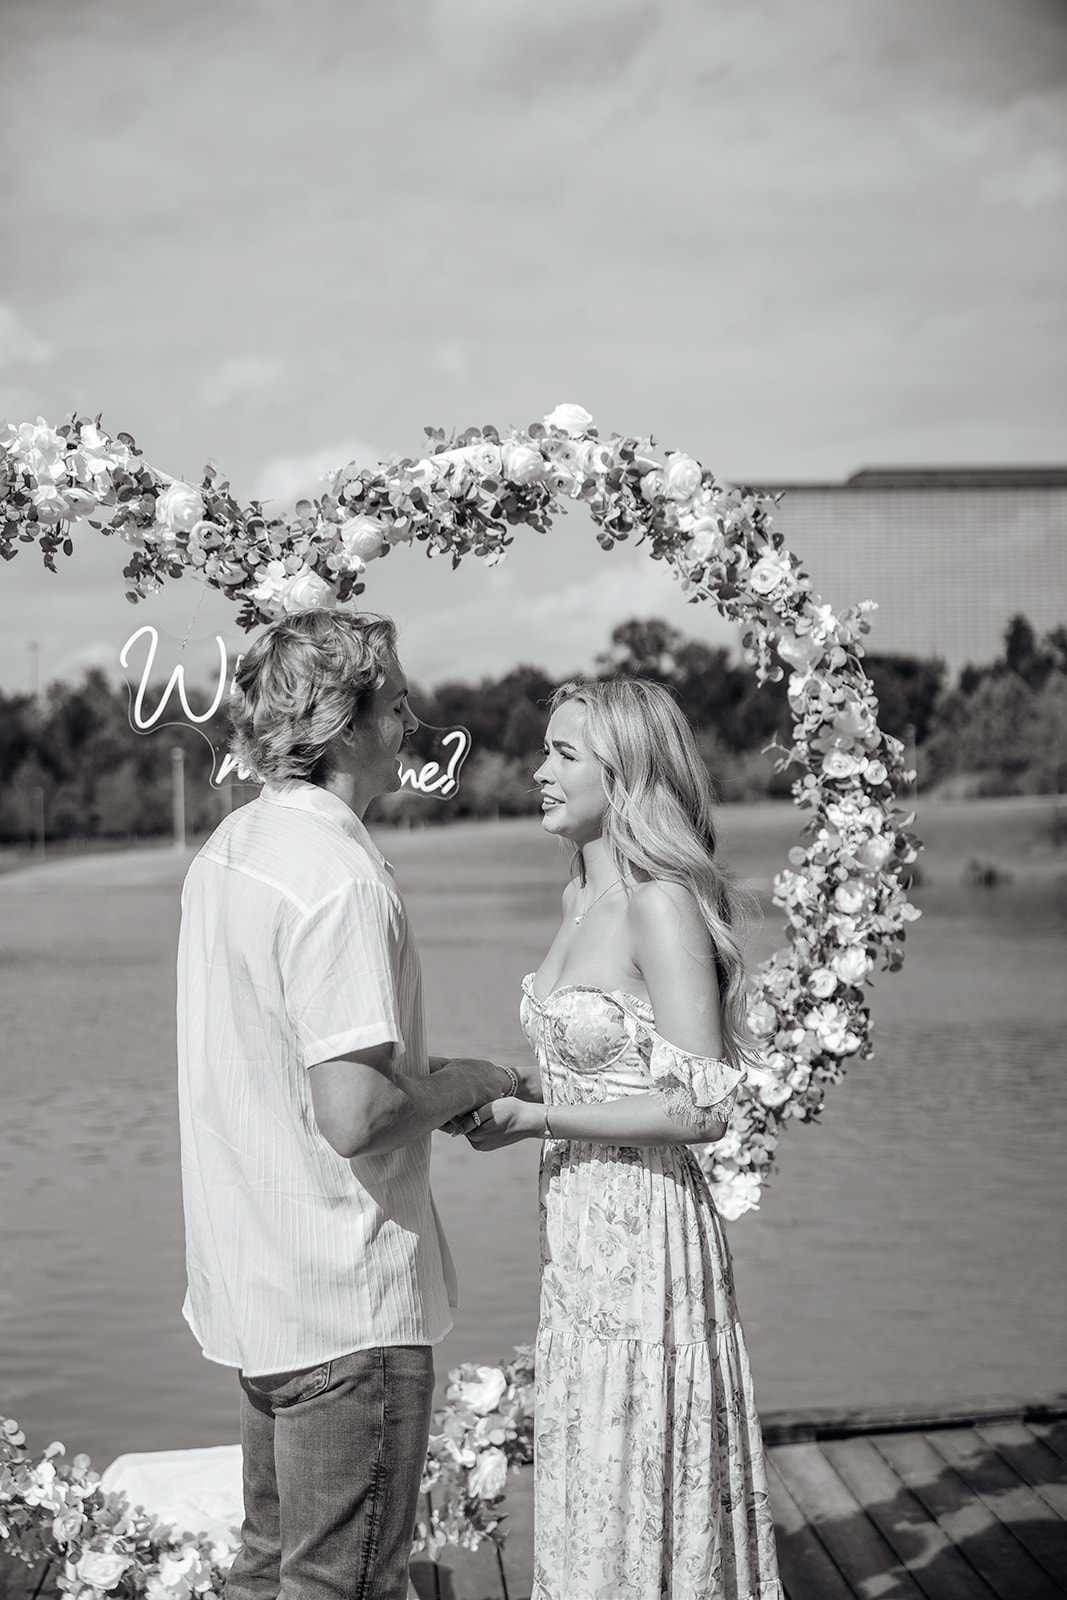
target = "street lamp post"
x: 177, y: 794
x: 38, y: 816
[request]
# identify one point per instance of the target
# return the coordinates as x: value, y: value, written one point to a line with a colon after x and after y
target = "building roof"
x: 882, y: 478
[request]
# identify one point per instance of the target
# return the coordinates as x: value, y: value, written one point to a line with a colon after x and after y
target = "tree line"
x: 70, y: 762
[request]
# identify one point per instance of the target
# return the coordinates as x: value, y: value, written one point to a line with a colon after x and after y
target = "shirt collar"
x: 302, y: 796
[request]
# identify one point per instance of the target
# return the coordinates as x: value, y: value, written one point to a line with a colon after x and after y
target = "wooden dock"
x: 962, y: 1504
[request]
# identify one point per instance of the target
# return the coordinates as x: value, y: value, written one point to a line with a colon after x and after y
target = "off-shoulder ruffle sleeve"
x: 693, y: 1089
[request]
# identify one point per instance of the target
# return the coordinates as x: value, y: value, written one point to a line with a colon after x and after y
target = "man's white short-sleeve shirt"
x: 295, y: 948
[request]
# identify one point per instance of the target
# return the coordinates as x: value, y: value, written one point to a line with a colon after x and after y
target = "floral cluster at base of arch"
x: 843, y: 892
x: 56, y: 1511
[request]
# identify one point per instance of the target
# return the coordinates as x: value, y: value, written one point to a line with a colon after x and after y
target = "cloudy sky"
x: 791, y: 238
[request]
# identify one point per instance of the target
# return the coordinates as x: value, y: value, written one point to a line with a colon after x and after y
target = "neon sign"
x: 435, y: 777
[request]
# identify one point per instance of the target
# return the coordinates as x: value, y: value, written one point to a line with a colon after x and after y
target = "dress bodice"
x: 586, y: 1043
x: 594, y: 1045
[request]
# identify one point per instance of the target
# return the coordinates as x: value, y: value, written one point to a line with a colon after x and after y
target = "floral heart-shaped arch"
x: 843, y: 893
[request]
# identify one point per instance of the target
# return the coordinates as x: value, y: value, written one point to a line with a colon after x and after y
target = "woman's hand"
x: 502, y: 1122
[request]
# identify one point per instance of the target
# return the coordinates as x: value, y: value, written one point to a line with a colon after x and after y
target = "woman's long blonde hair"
x: 660, y: 818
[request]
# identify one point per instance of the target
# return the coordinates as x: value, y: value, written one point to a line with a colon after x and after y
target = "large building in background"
x: 950, y: 553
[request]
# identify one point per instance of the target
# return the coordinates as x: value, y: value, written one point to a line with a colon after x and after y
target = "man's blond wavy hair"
x: 305, y: 680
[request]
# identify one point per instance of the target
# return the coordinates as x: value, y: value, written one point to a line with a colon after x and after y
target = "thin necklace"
x: 580, y: 918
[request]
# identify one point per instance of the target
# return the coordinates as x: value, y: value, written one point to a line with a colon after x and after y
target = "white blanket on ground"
x: 196, y: 1491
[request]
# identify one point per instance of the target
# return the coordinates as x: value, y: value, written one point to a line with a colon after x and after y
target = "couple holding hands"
x: 317, y: 1265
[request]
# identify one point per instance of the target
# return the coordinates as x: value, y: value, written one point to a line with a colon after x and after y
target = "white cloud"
x: 562, y: 631
x: 17, y: 344
x: 242, y: 378
x: 73, y: 666
x: 452, y: 358
x: 288, y: 478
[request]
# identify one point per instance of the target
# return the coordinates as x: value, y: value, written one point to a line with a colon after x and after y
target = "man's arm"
x: 364, y: 1108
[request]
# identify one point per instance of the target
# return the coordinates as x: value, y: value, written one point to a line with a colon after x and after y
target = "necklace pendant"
x: 579, y: 919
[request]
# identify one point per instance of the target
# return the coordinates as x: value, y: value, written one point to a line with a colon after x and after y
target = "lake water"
x: 908, y: 1252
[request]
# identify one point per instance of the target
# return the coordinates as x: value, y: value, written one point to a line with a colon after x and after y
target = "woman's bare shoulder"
x: 663, y: 911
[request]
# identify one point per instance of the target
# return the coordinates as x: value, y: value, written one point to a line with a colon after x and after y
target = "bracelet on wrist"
x: 548, y: 1134
x: 512, y: 1077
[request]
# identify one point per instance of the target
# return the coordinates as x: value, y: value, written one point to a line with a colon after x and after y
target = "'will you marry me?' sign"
x: 158, y: 700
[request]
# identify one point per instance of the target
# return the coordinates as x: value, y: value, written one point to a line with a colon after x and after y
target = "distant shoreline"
x: 1013, y: 833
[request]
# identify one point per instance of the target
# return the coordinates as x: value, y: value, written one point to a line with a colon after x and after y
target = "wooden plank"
x: 1054, y: 1434
x: 1032, y: 1459
x: 862, y: 1556
x: 20, y: 1582
x: 922, y: 1545
x: 475, y: 1574
x: 999, y: 1487
x: 807, y: 1570
x: 990, y: 1547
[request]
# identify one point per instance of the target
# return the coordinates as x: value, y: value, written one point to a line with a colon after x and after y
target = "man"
x: 316, y: 1263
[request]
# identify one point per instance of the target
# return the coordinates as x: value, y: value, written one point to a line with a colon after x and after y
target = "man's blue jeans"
x: 333, y: 1457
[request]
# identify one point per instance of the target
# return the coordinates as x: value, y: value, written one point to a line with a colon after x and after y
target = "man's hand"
x: 364, y: 1108
x: 502, y: 1122
x: 529, y: 1081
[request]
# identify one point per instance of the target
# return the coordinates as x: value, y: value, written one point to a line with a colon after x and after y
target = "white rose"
x: 272, y: 582
x: 81, y: 502
x: 735, y: 1195
x: 482, y: 1393
x: 38, y: 442
x: 762, y: 1019
x: 852, y: 965
x: 682, y: 476
x: 875, y: 853
x: 522, y: 464
x: 67, y: 1525
x: 179, y: 508
x: 485, y: 458
x: 850, y: 897
x: 822, y: 983
x: 488, y: 1477
x: 876, y: 772
x: 706, y: 540
x: 594, y: 456
x: 363, y: 537
x: 773, y: 1092
x: 839, y: 764
x: 799, y: 650
x: 766, y: 575
x: 51, y: 503
x: 47, y: 468
x: 569, y: 419
x: 101, y: 1569
x: 306, y: 591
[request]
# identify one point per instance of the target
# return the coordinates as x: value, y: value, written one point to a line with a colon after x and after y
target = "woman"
x: 649, y: 1476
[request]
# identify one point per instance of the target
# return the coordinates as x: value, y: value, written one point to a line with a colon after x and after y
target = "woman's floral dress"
x: 648, y: 1459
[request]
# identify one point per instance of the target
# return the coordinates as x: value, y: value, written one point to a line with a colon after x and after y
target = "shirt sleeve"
x: 339, y: 972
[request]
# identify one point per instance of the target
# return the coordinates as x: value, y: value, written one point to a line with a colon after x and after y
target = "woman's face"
x: 571, y: 779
